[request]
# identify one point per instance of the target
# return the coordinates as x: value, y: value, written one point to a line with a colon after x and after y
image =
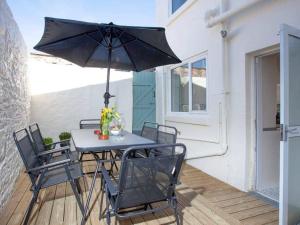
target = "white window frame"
x: 169, y: 97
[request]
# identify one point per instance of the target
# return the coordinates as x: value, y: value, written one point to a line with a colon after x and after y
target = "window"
x: 176, y: 4
x: 188, y: 87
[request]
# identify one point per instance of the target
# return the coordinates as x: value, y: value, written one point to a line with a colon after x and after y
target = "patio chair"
x: 149, y: 130
x: 166, y: 135
x: 43, y: 175
x: 40, y: 147
x: 143, y: 182
x: 88, y: 124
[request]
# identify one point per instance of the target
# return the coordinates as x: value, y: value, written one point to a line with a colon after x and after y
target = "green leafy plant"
x: 47, y: 142
x: 63, y: 137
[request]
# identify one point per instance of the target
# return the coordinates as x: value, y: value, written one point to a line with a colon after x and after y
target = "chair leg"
x: 78, y: 186
x: 174, y: 206
x: 73, y: 186
x: 107, y: 210
x: 32, y: 202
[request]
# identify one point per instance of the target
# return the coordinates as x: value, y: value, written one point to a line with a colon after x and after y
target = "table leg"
x: 86, y: 209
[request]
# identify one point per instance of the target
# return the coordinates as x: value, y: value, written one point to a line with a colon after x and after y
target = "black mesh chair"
x: 142, y: 182
x: 149, y: 130
x: 166, y: 135
x: 37, y: 138
x: 43, y: 175
x: 88, y: 124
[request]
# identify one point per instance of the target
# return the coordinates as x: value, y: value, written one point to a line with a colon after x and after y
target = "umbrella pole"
x: 106, y: 94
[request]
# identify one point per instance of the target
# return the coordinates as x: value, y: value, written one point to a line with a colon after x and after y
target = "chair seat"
x: 135, y: 197
x: 59, y: 175
x: 73, y: 156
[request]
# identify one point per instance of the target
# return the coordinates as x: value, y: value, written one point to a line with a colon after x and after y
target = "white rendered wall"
x: 249, y: 31
x: 14, y: 99
x: 62, y: 94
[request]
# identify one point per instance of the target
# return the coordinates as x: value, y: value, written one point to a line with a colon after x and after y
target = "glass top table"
x: 86, y: 141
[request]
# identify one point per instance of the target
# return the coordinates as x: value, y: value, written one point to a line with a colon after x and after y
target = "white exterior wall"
x: 14, y: 99
x: 251, y: 30
x: 62, y: 94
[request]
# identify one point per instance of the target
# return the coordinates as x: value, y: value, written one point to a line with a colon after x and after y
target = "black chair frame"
x: 38, y: 170
x: 114, y: 194
x: 89, y: 124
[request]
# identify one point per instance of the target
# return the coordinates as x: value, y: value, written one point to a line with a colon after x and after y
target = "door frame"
x: 285, y: 31
x: 258, y: 121
x: 251, y: 104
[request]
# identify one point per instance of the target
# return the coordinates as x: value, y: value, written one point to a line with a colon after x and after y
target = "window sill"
x: 178, y: 12
x: 190, y: 118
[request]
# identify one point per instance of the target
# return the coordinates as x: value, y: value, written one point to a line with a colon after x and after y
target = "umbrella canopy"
x: 106, y: 45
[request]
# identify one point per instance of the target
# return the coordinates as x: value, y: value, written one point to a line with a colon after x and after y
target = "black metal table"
x: 86, y: 141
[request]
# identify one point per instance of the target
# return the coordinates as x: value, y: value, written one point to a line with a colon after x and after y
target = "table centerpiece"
x: 107, y: 116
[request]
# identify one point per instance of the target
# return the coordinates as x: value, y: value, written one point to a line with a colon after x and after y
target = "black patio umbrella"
x: 106, y: 45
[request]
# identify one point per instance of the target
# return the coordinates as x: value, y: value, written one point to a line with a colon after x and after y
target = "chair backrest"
x: 27, y: 151
x: 89, y: 124
x: 148, y: 179
x: 166, y: 135
x: 37, y: 137
x: 149, y: 131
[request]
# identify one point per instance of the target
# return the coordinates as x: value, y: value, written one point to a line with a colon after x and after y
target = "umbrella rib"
x: 150, y: 45
x: 129, y: 55
x: 156, y: 48
x: 98, y: 42
x: 63, y: 39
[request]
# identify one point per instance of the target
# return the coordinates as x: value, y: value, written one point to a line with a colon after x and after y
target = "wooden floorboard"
x: 202, y: 200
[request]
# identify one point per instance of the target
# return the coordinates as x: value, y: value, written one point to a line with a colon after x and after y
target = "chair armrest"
x: 56, y: 143
x: 111, y: 188
x: 46, y: 166
x: 66, y: 148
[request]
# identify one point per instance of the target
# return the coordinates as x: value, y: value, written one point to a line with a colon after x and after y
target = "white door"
x: 290, y: 126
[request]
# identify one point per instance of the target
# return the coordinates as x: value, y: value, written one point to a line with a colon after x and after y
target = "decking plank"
x: 202, y: 200
x: 261, y: 219
x: 46, y: 206
x: 22, y: 185
x: 57, y: 215
x: 241, y: 215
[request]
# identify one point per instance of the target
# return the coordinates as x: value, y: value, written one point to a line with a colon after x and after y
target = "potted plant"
x: 107, y: 115
x: 48, y: 141
x: 65, y: 137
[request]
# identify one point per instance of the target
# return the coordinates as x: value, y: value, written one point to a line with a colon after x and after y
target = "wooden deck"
x: 202, y: 200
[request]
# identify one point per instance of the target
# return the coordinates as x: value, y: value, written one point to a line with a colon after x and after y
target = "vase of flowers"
x: 107, y: 116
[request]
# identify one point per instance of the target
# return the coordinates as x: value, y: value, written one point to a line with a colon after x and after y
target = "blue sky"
x: 30, y: 14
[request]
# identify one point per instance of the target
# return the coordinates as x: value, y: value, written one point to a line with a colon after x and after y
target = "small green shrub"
x: 48, y: 141
x: 65, y: 136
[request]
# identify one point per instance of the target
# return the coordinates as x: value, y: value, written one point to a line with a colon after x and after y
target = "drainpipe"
x: 223, y: 141
x: 224, y: 16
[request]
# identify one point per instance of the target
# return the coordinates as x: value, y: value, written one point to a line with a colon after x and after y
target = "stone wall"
x: 14, y: 99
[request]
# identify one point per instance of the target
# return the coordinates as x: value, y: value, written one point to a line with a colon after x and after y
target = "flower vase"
x: 104, y: 131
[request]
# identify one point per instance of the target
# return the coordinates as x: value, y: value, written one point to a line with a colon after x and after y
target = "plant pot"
x: 65, y: 143
x: 103, y: 137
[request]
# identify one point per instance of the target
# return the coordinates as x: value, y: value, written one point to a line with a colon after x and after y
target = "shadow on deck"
x: 202, y: 200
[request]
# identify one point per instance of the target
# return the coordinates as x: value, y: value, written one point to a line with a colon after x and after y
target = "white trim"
x: 251, y: 71
x: 193, y: 114
x: 184, y: 7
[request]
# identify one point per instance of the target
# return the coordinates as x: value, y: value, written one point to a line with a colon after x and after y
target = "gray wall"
x: 14, y: 99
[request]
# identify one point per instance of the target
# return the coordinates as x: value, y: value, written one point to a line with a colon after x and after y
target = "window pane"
x: 176, y: 4
x: 199, y: 85
x: 180, y: 89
